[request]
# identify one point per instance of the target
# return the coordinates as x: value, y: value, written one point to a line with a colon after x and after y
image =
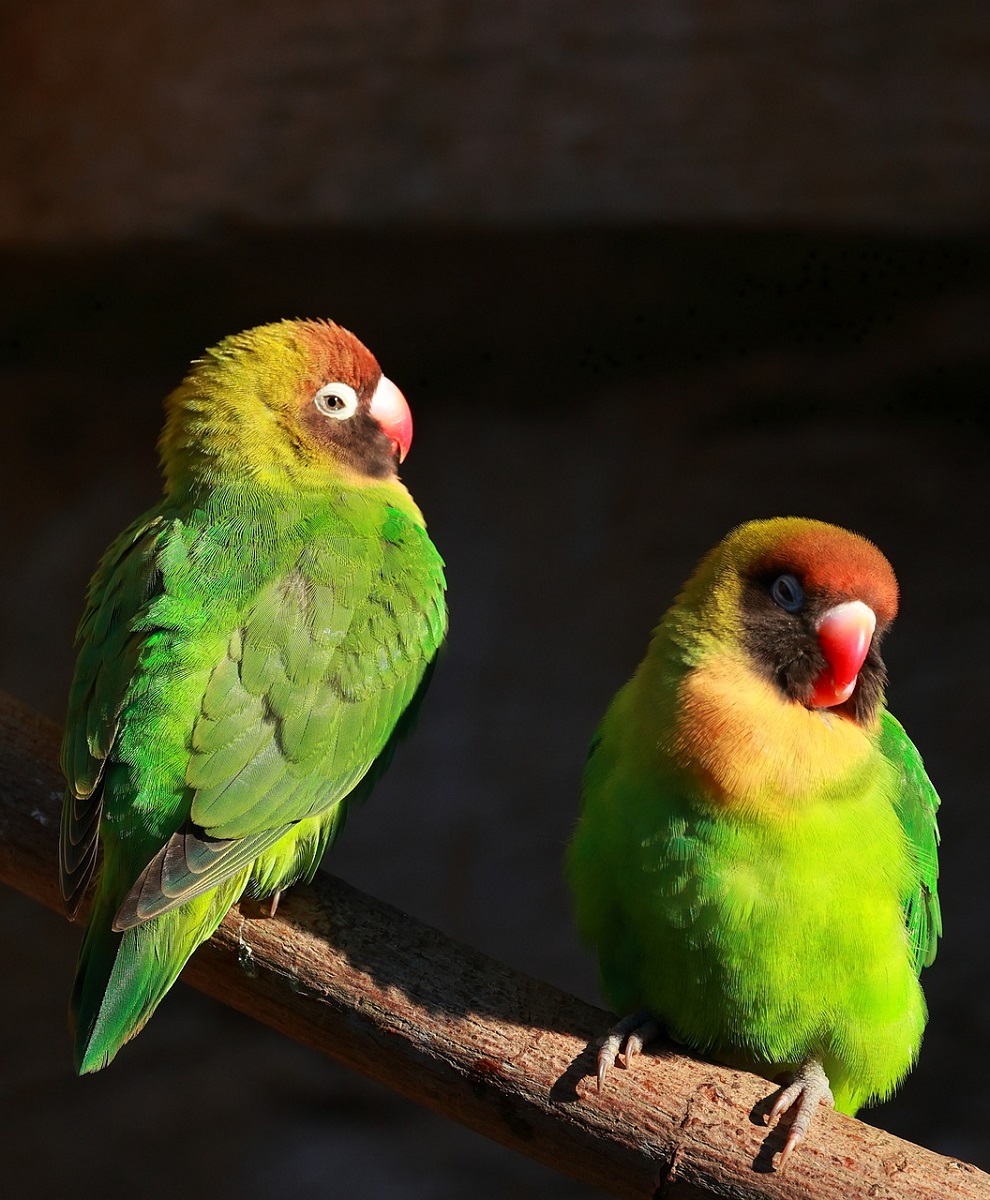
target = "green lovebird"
x: 250, y: 651
x: 756, y: 856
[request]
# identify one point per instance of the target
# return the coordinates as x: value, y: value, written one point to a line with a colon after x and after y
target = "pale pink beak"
x: 389, y: 408
x: 844, y: 634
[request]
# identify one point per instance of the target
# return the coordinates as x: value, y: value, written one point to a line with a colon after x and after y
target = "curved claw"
x: 809, y: 1088
x: 624, y: 1041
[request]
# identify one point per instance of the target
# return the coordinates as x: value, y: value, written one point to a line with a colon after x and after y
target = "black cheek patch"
x: 784, y: 649
x: 782, y: 646
x: 357, y: 442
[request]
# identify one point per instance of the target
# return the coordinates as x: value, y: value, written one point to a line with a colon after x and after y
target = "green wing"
x: 108, y: 653
x: 916, y: 804
x: 306, y: 699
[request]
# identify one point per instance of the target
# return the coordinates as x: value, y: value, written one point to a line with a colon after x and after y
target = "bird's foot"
x: 808, y: 1089
x: 624, y: 1041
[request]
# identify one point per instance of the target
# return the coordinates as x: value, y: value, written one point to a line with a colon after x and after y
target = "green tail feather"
x: 122, y: 977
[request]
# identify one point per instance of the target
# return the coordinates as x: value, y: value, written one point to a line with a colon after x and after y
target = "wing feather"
x: 917, y: 805
x: 108, y: 653
x: 307, y: 699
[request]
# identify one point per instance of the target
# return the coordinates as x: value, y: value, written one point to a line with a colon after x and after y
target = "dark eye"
x: 786, y: 590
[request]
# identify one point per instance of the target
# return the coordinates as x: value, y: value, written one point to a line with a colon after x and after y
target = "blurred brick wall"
x: 125, y: 119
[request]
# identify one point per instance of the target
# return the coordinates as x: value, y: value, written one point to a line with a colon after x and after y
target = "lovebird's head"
x: 292, y: 404
x: 807, y: 603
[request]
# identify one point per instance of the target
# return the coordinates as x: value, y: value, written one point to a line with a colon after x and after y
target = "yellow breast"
x: 754, y: 748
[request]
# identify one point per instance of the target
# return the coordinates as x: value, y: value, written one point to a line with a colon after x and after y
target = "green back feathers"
x: 302, y: 638
x: 303, y: 700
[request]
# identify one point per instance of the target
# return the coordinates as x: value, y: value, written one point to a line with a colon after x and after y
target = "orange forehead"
x: 335, y: 354
x: 829, y: 560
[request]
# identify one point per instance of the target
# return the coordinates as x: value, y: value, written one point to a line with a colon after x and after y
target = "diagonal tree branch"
x: 504, y: 1054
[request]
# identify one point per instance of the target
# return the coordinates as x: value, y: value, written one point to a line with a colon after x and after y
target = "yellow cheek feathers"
x: 750, y: 747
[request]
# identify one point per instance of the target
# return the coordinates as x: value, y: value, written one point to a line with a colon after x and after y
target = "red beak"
x: 844, y: 634
x: 389, y: 408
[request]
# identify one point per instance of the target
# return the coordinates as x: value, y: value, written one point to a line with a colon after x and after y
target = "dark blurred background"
x: 644, y: 271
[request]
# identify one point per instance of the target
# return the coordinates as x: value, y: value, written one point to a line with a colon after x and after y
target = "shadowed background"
x: 643, y: 273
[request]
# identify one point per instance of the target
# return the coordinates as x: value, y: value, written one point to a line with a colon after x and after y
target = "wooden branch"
x: 502, y: 1053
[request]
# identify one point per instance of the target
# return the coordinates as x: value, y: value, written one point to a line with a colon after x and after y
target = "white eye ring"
x: 337, y: 400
